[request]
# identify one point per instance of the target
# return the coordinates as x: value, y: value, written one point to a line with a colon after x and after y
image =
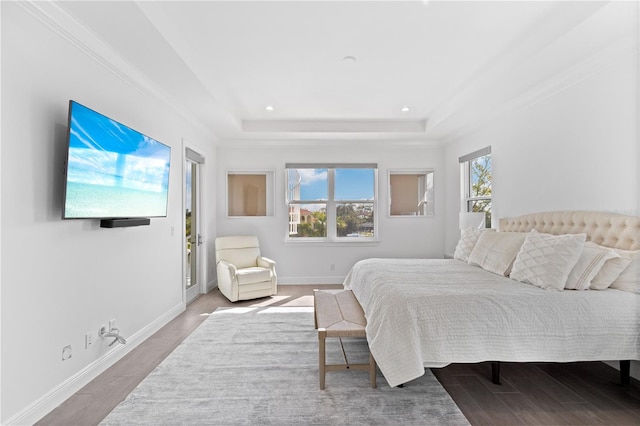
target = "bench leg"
x: 322, y: 335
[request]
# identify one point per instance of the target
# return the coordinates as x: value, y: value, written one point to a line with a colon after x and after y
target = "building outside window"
x: 475, y: 172
x: 332, y: 202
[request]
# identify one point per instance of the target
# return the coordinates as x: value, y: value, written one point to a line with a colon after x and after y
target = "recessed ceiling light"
x: 405, y: 109
x: 269, y: 108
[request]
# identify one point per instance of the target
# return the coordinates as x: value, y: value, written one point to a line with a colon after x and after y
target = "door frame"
x: 201, y: 287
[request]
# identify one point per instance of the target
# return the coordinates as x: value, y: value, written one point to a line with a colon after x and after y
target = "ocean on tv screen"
x: 99, y: 201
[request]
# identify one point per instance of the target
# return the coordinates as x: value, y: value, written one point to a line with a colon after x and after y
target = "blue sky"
x: 90, y: 129
x: 351, y: 184
x: 107, y: 153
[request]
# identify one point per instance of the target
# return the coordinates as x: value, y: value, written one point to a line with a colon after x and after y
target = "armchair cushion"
x: 253, y: 275
x: 242, y: 252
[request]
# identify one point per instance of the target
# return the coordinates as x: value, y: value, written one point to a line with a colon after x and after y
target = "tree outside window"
x: 477, y: 174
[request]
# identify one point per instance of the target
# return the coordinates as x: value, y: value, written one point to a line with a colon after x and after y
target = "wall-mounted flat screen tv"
x: 113, y: 171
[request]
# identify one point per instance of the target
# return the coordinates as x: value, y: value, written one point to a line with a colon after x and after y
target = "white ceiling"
x: 457, y: 65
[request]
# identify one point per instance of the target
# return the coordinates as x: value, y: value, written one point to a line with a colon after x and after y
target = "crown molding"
x: 332, y: 126
x: 621, y: 49
x: 53, y: 16
x: 363, y: 142
x: 490, y: 78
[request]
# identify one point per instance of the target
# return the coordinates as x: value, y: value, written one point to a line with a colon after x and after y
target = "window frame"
x: 269, y: 193
x: 331, y: 204
x: 425, y: 173
x: 467, y: 199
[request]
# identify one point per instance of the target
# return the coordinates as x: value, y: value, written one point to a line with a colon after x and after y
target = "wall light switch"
x: 89, y: 338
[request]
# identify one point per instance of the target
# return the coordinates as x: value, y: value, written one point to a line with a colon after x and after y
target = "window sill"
x: 406, y: 216
x: 324, y: 242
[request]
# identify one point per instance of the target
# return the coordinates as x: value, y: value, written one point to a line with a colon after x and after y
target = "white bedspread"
x: 432, y: 312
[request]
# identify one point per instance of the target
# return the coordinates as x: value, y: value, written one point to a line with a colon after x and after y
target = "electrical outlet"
x: 66, y: 352
x: 89, y: 338
x: 112, y: 324
x: 332, y: 266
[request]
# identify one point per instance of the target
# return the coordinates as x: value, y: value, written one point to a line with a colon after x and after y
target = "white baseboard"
x: 44, y: 405
x: 294, y: 281
x: 309, y: 280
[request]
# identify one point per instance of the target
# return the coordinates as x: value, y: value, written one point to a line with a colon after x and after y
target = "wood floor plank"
x: 587, y: 413
x: 608, y: 377
x: 527, y: 410
x: 474, y: 412
x: 618, y: 406
x: 552, y: 387
x: 543, y: 400
x: 494, y: 408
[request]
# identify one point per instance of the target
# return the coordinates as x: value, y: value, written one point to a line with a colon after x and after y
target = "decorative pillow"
x: 629, y: 279
x: 612, y: 269
x: 495, y: 251
x: 546, y: 260
x: 589, y: 264
x: 468, y: 239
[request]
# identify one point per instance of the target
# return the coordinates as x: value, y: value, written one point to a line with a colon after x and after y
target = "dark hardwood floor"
x: 531, y: 394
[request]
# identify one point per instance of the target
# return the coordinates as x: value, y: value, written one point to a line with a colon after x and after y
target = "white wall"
x: 575, y: 150
x: 310, y: 263
x: 62, y: 279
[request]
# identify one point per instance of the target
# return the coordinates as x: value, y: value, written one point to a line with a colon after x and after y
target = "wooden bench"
x: 338, y: 314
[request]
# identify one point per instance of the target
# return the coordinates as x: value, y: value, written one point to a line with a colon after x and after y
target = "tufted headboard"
x: 607, y: 229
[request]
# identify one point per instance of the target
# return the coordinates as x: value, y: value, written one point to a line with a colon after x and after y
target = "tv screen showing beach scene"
x: 112, y: 170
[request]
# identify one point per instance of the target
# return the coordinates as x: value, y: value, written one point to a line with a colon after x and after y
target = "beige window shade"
x: 411, y: 193
x: 247, y: 194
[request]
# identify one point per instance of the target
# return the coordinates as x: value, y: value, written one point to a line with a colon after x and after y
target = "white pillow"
x: 468, y: 239
x: 612, y: 269
x: 589, y: 264
x: 546, y: 260
x: 495, y: 251
x: 629, y: 279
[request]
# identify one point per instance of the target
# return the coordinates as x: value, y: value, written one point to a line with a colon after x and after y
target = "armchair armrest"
x: 231, y: 269
x: 227, y: 279
x: 265, y: 262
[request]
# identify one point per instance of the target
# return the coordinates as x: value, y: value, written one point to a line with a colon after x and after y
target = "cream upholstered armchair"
x: 242, y: 273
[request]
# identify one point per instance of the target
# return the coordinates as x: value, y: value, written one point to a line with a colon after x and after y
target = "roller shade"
x: 479, y: 153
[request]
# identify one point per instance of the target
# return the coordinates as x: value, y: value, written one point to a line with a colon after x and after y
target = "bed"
x: 433, y: 312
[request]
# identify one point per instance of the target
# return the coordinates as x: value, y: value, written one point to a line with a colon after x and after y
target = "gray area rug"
x: 260, y: 366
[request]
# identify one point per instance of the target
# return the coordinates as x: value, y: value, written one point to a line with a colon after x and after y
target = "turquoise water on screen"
x: 90, y: 200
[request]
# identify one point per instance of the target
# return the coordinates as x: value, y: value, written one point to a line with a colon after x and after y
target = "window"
x: 248, y: 193
x: 476, y: 179
x: 411, y: 193
x: 331, y: 202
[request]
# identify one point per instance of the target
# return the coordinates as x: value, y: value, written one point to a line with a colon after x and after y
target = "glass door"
x: 193, y: 237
